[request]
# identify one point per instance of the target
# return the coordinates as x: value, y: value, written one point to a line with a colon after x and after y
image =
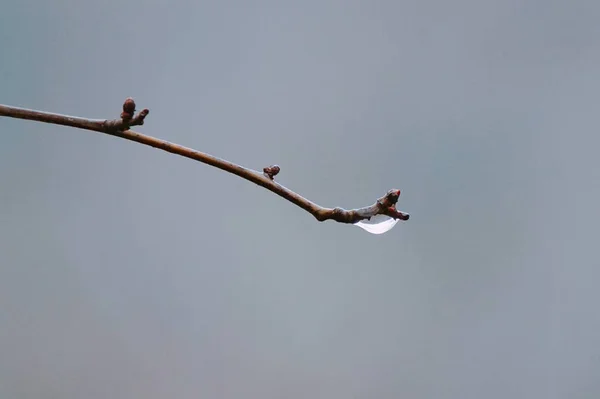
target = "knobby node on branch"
x: 271, y: 171
x: 385, y: 205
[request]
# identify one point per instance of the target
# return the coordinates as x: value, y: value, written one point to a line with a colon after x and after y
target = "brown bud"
x: 271, y: 171
x: 393, y: 195
x: 129, y: 106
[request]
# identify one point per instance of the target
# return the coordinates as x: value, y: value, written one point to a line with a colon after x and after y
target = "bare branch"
x: 385, y: 205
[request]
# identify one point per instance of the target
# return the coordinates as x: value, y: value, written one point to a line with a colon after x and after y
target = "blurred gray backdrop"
x: 127, y: 272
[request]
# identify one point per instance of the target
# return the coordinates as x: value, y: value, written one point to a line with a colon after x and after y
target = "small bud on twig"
x: 128, y: 118
x: 271, y: 171
x: 128, y: 109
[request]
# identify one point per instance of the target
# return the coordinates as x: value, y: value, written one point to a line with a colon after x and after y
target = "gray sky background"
x: 126, y: 272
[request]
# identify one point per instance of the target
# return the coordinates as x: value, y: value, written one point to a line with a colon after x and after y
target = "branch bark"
x: 386, y: 205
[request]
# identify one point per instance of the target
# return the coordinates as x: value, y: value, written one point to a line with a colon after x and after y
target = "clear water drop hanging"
x: 378, y: 224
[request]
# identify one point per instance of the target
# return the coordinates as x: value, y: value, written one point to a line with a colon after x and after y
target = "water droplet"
x: 378, y: 224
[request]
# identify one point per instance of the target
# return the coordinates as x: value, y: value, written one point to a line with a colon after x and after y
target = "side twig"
x: 386, y: 205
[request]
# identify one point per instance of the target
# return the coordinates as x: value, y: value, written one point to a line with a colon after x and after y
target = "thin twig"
x: 385, y: 205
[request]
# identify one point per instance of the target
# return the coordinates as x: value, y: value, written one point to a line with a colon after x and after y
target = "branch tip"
x: 385, y: 205
x: 396, y: 214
